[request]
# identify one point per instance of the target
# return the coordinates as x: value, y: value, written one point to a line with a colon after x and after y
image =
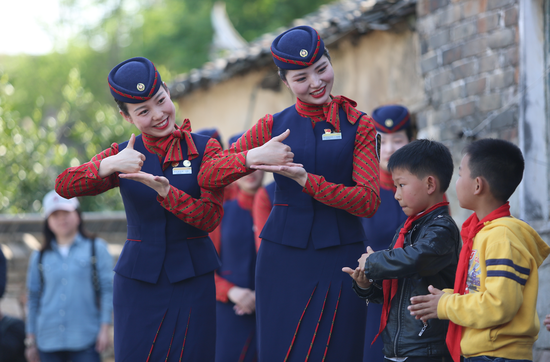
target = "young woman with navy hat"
x: 164, y: 291
x: 323, y: 152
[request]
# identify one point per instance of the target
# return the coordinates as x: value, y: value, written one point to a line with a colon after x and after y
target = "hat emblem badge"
x: 389, y: 122
x: 303, y: 53
x: 140, y: 87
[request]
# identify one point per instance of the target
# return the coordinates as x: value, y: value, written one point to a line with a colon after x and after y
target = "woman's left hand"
x: 158, y: 183
x: 293, y: 171
x: 103, y: 339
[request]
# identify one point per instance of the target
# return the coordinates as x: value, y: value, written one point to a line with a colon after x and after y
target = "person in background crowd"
x: 323, y: 152
x: 12, y: 330
x: 70, y: 289
x: 164, y: 290
x: 235, y: 291
x: 211, y: 132
x: 230, y: 192
x: 261, y: 208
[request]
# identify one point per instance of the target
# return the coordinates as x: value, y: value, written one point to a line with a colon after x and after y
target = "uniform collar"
x: 168, y: 147
x: 329, y: 111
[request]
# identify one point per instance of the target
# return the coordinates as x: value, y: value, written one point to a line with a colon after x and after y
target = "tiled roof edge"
x: 332, y: 21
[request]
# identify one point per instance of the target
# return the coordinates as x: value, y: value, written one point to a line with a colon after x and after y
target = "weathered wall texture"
x: 469, y: 59
x: 385, y: 63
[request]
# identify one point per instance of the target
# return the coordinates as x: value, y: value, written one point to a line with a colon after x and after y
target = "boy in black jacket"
x: 424, y: 252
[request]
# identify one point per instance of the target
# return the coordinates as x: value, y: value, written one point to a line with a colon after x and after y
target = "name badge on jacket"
x: 185, y: 170
x: 329, y: 135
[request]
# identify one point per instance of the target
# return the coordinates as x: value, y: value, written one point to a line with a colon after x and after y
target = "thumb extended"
x: 131, y: 141
x: 282, y: 136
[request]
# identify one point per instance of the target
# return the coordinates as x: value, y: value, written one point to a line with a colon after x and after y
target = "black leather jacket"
x: 429, y: 257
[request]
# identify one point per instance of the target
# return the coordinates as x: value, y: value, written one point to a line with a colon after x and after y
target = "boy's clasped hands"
x: 358, y: 274
x: 423, y: 307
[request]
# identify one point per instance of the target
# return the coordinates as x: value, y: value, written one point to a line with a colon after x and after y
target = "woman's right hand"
x: 126, y: 161
x: 273, y: 152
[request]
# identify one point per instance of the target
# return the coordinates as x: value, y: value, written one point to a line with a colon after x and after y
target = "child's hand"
x: 424, y: 307
x: 364, y: 257
x: 547, y: 322
x: 359, y: 276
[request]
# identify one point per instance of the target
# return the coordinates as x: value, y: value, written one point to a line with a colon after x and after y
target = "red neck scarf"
x: 386, y: 181
x: 470, y: 228
x: 169, y: 148
x: 329, y: 111
x: 389, y: 286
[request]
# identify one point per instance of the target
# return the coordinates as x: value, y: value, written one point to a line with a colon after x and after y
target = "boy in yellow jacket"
x: 492, y: 310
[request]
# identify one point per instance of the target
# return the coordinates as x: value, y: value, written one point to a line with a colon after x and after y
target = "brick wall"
x: 469, y: 60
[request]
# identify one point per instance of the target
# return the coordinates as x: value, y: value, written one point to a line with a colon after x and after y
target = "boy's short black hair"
x: 425, y: 158
x: 499, y: 162
x: 123, y: 106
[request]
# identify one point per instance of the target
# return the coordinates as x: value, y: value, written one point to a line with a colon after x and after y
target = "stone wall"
x: 469, y: 61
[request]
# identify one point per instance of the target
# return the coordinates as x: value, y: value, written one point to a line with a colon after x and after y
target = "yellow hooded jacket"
x: 498, y: 312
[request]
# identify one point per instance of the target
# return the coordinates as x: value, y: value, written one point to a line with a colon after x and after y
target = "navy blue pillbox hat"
x: 391, y: 118
x: 297, y: 48
x: 210, y: 132
x: 135, y: 80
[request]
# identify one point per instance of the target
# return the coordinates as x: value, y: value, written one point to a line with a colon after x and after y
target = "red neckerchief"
x: 389, y: 286
x: 386, y: 181
x: 329, y: 111
x: 470, y: 228
x: 168, y: 148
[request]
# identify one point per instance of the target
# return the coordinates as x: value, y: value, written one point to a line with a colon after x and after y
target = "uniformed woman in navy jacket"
x: 323, y: 152
x: 164, y: 292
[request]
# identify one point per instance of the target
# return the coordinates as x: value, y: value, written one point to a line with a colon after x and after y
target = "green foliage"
x: 56, y: 110
x: 35, y: 148
x: 253, y: 18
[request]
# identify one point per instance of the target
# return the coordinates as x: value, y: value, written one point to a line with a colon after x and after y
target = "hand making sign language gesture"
x: 126, y: 161
x: 277, y: 157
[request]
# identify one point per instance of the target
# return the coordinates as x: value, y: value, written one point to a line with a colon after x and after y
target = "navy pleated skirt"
x: 235, y: 335
x: 306, y: 309
x: 164, y: 321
